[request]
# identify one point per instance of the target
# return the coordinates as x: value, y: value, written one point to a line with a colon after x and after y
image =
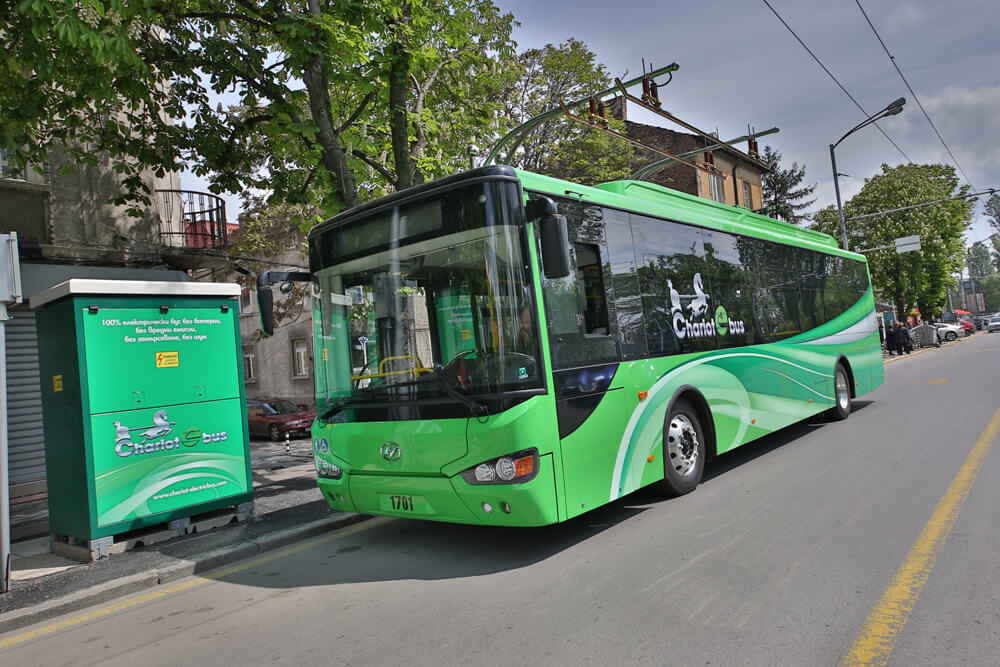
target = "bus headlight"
x: 328, y: 470
x: 516, y: 468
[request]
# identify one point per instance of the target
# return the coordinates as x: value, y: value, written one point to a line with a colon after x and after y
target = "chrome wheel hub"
x: 682, y: 446
x: 842, y: 390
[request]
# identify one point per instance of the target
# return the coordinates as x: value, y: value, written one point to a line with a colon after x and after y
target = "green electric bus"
x: 504, y: 348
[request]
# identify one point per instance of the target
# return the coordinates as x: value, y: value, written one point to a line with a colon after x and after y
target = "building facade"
x: 734, y: 180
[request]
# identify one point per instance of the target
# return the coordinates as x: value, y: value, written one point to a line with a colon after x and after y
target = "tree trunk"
x: 399, y: 85
x: 332, y: 155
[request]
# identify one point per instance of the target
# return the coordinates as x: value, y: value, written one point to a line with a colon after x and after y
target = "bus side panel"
x: 752, y: 392
x: 588, y: 453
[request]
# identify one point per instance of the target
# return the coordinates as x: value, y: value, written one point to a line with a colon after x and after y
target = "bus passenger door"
x: 583, y: 316
x: 591, y: 417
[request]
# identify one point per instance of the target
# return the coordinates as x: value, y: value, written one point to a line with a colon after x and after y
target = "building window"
x: 718, y: 193
x: 8, y: 170
x: 246, y: 300
x: 747, y: 197
x: 300, y: 358
x: 249, y: 365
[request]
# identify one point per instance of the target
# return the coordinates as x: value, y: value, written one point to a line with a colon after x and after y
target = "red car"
x: 969, y: 326
x: 276, y: 417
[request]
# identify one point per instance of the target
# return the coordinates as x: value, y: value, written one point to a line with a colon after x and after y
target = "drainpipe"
x: 10, y: 292
x: 4, y: 488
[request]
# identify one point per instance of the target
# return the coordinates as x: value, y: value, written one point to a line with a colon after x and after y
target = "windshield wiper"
x: 340, y: 404
x: 475, y: 407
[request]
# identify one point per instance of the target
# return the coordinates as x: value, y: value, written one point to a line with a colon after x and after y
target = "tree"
x: 993, y: 215
x: 561, y: 147
x: 915, y: 278
x: 991, y: 293
x: 330, y: 101
x: 783, y: 190
x: 979, y: 261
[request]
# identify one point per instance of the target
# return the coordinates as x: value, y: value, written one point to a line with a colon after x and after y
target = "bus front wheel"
x: 683, y: 450
x: 841, y: 394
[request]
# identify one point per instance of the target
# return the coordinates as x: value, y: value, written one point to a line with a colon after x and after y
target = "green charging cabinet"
x: 143, y: 403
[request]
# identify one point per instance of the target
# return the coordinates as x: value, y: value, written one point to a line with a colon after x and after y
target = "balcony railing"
x: 201, y: 223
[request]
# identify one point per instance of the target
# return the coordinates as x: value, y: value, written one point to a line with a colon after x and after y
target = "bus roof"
x: 634, y: 196
x: 659, y: 201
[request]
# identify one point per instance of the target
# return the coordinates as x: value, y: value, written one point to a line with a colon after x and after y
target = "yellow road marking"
x: 937, y: 381
x: 196, y: 580
x: 877, y: 638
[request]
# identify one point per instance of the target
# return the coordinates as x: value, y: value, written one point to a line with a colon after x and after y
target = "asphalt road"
x: 779, y: 558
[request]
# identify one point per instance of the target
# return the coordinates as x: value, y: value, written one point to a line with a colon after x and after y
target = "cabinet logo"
x: 695, y: 324
x: 156, y: 438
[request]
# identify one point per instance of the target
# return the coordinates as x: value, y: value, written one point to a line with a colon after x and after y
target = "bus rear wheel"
x: 683, y: 450
x: 841, y: 394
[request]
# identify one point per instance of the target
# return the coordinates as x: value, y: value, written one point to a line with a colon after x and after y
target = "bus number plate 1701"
x: 402, y: 503
x: 414, y: 504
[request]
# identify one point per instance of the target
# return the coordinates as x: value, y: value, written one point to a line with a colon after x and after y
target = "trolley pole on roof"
x: 518, y: 132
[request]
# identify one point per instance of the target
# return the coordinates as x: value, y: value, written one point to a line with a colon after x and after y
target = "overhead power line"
x: 830, y: 74
x: 988, y: 191
x: 914, y: 94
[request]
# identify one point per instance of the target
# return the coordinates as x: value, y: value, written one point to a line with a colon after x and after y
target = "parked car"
x: 994, y: 325
x: 276, y: 417
x: 968, y: 326
x: 948, y: 332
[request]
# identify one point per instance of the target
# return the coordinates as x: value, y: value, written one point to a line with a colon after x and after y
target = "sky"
x: 740, y: 66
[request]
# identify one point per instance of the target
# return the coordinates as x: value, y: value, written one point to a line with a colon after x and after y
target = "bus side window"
x: 588, y: 272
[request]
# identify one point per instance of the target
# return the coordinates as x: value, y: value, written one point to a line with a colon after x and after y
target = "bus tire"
x: 683, y: 450
x: 841, y: 394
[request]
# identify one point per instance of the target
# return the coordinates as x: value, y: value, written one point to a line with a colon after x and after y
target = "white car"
x: 994, y: 325
x: 948, y: 332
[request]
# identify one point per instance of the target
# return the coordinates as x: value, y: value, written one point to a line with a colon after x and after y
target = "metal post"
x: 836, y: 187
x: 4, y: 489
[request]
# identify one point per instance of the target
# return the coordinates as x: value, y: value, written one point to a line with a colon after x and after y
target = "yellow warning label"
x: 168, y: 360
x: 57, y: 383
x: 326, y: 356
x: 466, y: 334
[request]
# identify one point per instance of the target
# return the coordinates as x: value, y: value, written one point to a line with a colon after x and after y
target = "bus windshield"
x: 427, y: 304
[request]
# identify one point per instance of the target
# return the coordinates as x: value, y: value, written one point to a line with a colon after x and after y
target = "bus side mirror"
x: 265, y: 297
x: 555, y: 245
x: 265, y: 304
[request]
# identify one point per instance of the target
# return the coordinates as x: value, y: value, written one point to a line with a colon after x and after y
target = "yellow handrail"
x: 416, y: 370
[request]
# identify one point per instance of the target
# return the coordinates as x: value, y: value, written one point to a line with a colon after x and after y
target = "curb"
x: 117, y: 588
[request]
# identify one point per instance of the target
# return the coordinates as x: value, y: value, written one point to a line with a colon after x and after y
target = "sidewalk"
x: 287, y: 507
x: 920, y: 350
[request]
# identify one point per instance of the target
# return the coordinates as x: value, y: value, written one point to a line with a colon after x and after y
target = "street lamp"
x: 891, y: 110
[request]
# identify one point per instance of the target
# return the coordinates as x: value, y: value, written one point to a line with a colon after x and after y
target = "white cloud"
x: 904, y: 16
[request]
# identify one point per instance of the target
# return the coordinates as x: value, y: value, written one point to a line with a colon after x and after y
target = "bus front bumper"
x: 448, y: 499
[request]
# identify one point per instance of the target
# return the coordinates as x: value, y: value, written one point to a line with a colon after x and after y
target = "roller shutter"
x: 24, y: 400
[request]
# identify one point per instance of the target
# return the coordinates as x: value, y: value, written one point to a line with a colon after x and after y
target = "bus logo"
x: 721, y: 320
x: 694, y: 324
x: 390, y: 451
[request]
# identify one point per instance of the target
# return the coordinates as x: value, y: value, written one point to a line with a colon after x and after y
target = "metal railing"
x: 202, y: 219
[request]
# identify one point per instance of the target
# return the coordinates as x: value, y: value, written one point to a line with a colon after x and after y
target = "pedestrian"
x: 903, y: 341
x: 890, y: 340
